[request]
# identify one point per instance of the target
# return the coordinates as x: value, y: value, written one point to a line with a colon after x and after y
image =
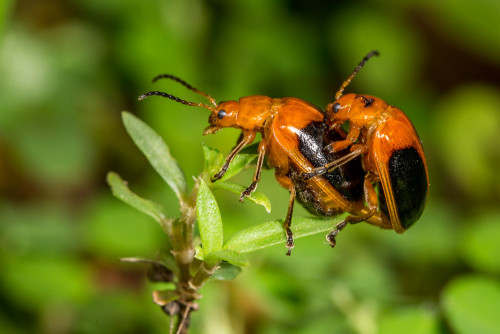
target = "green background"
x: 67, y: 69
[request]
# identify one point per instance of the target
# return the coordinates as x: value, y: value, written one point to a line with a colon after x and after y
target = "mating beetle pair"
x: 327, y: 170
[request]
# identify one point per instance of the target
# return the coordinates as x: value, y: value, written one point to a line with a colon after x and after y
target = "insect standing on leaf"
x: 293, y: 133
x: 392, y: 157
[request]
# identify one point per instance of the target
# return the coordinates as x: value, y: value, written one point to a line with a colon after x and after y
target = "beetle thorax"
x: 254, y: 111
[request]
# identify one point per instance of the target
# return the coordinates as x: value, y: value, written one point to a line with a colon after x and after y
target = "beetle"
x: 292, y: 133
x: 392, y: 156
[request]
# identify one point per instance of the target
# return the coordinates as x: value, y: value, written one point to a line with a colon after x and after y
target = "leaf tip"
x: 268, y: 207
x: 112, y: 178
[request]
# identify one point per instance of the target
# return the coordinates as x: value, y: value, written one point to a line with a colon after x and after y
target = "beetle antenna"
x: 185, y: 84
x: 176, y: 99
x: 356, y: 70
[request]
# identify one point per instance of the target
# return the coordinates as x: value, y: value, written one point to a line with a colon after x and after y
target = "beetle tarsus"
x: 305, y: 176
x: 328, y: 148
x: 248, y: 191
x: 330, y: 237
x: 289, y: 241
x: 220, y: 174
x: 317, y: 171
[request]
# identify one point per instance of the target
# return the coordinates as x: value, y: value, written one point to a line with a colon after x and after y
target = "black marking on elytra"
x: 347, y: 179
x: 409, y: 185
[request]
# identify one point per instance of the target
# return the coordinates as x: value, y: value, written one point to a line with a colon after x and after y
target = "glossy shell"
x: 409, y: 185
x: 398, y: 155
x: 296, y: 138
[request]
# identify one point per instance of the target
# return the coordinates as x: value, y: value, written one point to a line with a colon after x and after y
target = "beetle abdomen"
x: 312, y: 197
x: 347, y: 179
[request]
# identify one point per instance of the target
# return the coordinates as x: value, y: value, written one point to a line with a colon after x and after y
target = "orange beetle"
x: 292, y: 139
x: 392, y: 157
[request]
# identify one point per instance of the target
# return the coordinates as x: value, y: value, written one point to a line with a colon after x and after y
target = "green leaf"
x: 226, y: 272
x: 168, y: 260
x: 471, y: 304
x: 472, y: 160
x: 36, y: 281
x: 214, y: 161
x: 199, y: 254
x: 165, y: 259
x: 229, y: 256
x: 410, y: 321
x: 121, y: 191
x: 480, y: 246
x: 209, y: 220
x: 157, y: 152
x: 163, y: 297
x: 5, y: 12
x: 113, y: 229
x: 256, y: 197
x: 273, y: 233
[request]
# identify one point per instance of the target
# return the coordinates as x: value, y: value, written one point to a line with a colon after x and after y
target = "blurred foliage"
x: 67, y: 69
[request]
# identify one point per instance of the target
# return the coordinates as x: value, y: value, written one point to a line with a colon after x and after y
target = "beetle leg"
x: 351, y: 138
x: 370, y: 195
x: 286, y: 182
x: 378, y: 219
x: 381, y: 220
x: 371, y: 199
x: 340, y: 131
x: 248, y: 137
x: 240, y: 138
x: 338, y: 146
x: 256, y: 178
x: 356, y: 150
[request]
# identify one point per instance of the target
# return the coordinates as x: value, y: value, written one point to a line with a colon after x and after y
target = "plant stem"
x: 182, y: 251
x: 204, y: 272
x: 182, y: 236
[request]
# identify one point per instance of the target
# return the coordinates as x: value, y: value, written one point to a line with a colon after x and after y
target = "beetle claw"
x: 221, y: 173
x: 330, y: 237
x: 248, y: 191
x: 216, y: 177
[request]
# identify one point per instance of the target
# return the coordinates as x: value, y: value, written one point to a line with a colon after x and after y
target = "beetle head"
x: 223, y: 116
x: 339, y: 110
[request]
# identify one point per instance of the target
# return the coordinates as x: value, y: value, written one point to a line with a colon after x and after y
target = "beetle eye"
x: 221, y: 114
x: 336, y: 108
